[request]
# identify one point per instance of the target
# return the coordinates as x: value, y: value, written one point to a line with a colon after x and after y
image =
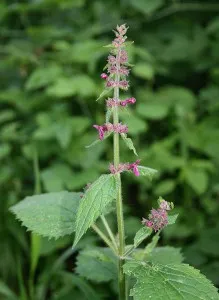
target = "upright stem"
x: 119, y: 205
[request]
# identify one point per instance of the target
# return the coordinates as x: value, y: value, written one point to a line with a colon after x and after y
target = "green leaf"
x: 104, y: 93
x: 144, y: 70
x: 129, y: 143
x: 7, y: 292
x: 98, y: 264
x: 148, y: 6
x: 148, y: 172
x: 135, y: 124
x: 170, y: 282
x: 98, y: 141
x: 81, y: 85
x: 73, y: 280
x: 197, y: 179
x: 155, y: 110
x: 141, y: 235
x: 51, y: 215
x: 94, y: 202
x: 150, y: 247
x: 172, y: 219
x: 165, y: 187
x: 165, y: 255
x: 43, y: 76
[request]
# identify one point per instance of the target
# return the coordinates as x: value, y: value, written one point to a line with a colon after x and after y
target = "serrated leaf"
x: 148, y: 172
x: 142, y: 234
x: 94, y: 202
x: 51, y: 215
x: 98, y: 264
x: 172, y: 219
x: 165, y: 255
x: 170, y: 282
x: 129, y: 143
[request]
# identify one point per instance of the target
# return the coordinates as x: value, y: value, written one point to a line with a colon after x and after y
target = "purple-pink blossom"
x: 158, y: 218
x: 128, y: 101
x: 125, y: 167
x: 109, y: 127
x: 104, y: 76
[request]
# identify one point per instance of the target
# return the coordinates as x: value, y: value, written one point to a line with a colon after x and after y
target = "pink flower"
x: 112, y: 102
x: 119, y: 128
x: 109, y: 127
x: 126, y: 167
x: 123, y: 56
x: 123, y: 103
x: 134, y: 167
x: 124, y: 71
x: 127, y: 101
x: 164, y: 205
x: 104, y: 76
x: 158, y: 218
x: 123, y: 84
x: 111, y: 59
x: 101, y: 130
x: 131, y: 100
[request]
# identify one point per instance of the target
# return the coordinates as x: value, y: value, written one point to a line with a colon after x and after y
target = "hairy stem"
x: 109, y: 231
x: 119, y: 205
x: 104, y: 238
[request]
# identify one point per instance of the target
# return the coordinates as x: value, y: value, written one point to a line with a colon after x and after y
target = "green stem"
x: 119, y: 204
x: 104, y: 238
x: 35, y: 239
x: 109, y: 231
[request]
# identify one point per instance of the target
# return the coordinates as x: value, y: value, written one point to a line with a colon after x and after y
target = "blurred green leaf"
x: 147, y: 7
x: 144, y: 70
x: 43, y: 76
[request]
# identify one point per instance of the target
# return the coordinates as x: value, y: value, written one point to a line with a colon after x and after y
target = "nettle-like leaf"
x: 148, y: 172
x: 169, y: 282
x: 160, y: 255
x: 97, y: 264
x: 141, y: 235
x: 94, y: 203
x: 165, y: 255
x: 129, y: 143
x: 51, y: 215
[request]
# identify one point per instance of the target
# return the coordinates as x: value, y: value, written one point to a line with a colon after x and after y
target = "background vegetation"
x: 51, y: 57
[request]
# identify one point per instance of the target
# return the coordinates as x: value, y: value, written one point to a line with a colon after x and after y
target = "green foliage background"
x: 51, y: 57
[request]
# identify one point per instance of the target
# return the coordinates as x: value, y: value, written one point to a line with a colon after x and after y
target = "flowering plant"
x: 144, y: 273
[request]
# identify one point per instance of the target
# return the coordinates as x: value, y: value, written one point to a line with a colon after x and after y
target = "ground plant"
x: 133, y: 271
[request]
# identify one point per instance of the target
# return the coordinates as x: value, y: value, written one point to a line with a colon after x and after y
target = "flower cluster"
x: 125, y: 167
x: 158, y: 218
x: 117, y: 61
x: 114, y: 102
x: 109, y: 127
